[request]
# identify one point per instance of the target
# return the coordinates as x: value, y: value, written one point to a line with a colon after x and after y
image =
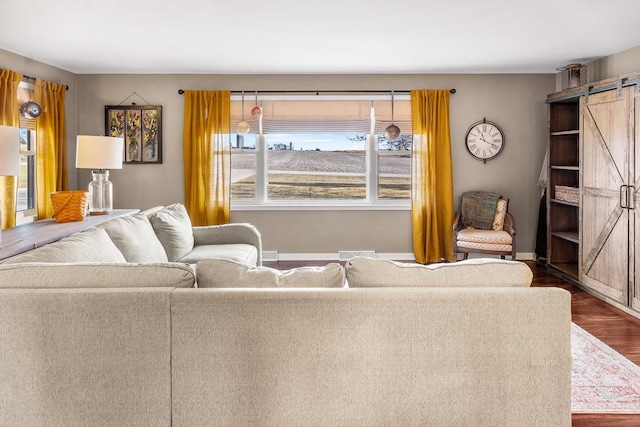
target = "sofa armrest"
x: 229, y: 234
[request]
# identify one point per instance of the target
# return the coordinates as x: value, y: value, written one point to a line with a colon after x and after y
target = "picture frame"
x: 141, y: 128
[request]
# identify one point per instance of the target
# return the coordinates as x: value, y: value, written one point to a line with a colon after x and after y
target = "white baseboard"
x: 331, y: 256
x: 526, y: 256
x: 335, y: 256
x: 269, y: 255
x: 347, y: 255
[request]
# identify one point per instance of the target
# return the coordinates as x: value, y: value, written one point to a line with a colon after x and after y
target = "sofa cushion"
x: 485, y: 272
x: 239, y: 252
x: 222, y: 273
x: 484, y: 246
x: 95, y: 275
x: 484, y: 236
x: 91, y: 245
x: 173, y: 228
x: 134, y: 236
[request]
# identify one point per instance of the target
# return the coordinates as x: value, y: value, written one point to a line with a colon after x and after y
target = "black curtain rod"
x: 34, y: 79
x: 317, y: 92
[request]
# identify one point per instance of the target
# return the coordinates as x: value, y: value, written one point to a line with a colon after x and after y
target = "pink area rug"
x: 602, y: 380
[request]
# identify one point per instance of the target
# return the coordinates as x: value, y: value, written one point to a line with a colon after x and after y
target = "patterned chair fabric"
x: 483, y: 225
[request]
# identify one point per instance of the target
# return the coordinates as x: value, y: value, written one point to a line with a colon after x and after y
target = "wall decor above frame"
x: 141, y: 128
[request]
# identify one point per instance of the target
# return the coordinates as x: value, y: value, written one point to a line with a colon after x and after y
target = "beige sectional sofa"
x: 445, y: 349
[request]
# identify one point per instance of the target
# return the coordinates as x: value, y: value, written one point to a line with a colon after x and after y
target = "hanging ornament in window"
x: 392, y: 132
x: 30, y: 110
x: 243, y: 127
x: 256, y: 111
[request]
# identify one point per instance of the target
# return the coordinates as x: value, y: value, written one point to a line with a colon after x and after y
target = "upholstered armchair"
x: 484, y: 225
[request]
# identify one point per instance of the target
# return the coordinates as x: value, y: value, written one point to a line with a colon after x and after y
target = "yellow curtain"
x: 51, y: 144
x: 9, y: 116
x: 207, y: 156
x: 432, y: 178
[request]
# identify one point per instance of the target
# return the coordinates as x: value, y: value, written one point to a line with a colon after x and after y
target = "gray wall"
x: 624, y: 62
x: 515, y: 102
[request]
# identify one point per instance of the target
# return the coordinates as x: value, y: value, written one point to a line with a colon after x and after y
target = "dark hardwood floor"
x: 612, y: 326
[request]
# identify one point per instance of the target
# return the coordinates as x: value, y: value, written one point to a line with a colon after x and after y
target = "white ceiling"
x: 324, y: 36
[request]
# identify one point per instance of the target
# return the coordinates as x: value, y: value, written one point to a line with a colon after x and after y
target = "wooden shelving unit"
x: 563, y: 151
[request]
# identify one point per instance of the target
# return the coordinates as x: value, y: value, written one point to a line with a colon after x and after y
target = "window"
x: 26, y: 191
x: 322, y: 150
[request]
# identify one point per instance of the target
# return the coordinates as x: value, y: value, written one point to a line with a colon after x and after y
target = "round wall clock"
x: 484, y: 140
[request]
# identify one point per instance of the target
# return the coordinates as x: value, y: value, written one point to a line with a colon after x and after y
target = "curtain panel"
x: 432, y: 178
x: 207, y: 156
x: 9, y: 116
x: 51, y: 144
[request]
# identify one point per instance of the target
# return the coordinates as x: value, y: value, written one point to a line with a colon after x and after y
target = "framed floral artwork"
x: 141, y: 128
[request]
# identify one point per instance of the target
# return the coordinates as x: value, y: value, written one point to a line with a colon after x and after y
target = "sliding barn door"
x: 634, y: 204
x: 606, y: 141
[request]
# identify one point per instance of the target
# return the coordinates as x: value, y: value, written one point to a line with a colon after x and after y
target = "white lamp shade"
x: 9, y: 151
x: 99, y: 152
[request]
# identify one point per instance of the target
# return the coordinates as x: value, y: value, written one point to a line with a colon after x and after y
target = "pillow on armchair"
x: 478, y: 209
x: 501, y: 211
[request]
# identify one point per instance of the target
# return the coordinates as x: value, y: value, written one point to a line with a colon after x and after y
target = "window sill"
x: 321, y: 206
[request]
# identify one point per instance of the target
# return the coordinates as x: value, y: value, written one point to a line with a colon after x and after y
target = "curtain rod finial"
x: 180, y: 91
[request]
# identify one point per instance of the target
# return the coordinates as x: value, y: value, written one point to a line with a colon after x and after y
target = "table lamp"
x: 99, y: 153
x: 9, y: 156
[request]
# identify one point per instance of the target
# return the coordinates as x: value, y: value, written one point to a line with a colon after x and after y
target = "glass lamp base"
x: 100, y: 193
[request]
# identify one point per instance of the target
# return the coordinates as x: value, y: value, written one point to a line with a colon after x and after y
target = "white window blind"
x: 326, y: 116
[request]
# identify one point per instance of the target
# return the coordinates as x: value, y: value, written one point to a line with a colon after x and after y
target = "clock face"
x: 485, y: 140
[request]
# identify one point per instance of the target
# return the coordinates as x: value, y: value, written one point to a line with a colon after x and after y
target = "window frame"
x: 370, y: 202
x: 25, y: 93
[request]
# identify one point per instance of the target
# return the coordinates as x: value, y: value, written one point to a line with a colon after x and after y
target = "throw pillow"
x: 95, y: 275
x: 172, y: 225
x: 91, y: 245
x: 222, y: 273
x: 501, y: 211
x: 135, y: 238
x: 362, y: 272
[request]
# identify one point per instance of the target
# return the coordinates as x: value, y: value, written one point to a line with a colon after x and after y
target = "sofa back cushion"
x: 135, y: 238
x: 95, y: 275
x: 91, y: 245
x: 222, y: 273
x: 172, y: 226
x: 485, y: 272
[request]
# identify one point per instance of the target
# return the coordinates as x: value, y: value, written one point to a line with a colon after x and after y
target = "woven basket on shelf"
x: 568, y: 194
x: 70, y: 205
